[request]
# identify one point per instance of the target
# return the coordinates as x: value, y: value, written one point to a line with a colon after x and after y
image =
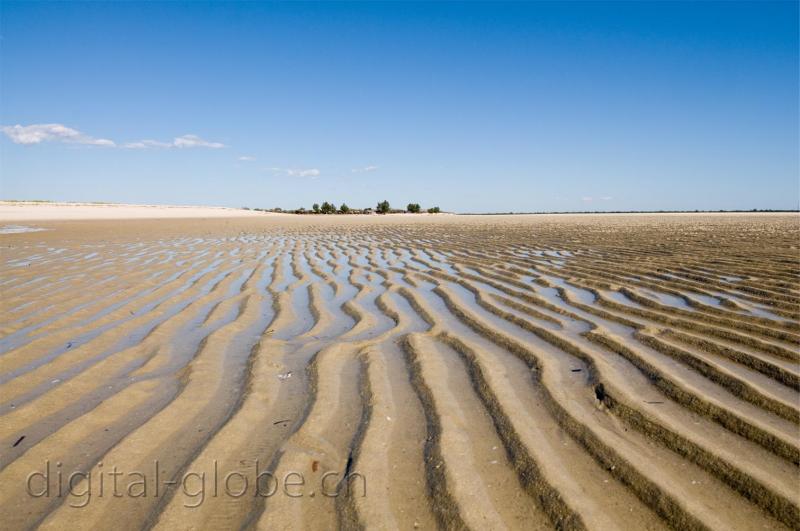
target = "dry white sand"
x: 14, y: 211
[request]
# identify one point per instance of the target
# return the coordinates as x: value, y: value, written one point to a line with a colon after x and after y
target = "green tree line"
x: 383, y: 207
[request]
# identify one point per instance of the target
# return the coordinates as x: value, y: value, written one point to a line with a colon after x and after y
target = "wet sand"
x: 484, y: 372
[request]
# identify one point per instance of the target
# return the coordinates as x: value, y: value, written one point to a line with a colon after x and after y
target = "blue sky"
x: 473, y: 107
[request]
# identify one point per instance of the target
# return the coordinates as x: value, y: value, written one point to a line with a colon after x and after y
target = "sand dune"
x: 522, y: 372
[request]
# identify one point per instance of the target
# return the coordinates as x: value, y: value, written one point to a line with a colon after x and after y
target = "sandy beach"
x: 202, y: 368
x: 13, y: 211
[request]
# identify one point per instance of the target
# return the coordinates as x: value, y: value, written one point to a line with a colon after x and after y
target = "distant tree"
x: 315, y: 208
x: 433, y: 210
x: 327, y: 208
x: 414, y: 208
x: 383, y: 207
x: 300, y: 210
x: 344, y: 209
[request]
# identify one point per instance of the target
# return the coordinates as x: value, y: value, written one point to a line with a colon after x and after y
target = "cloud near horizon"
x: 365, y: 169
x: 39, y: 133
x: 293, y: 172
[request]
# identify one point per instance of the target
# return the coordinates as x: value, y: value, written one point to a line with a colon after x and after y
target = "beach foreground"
x: 602, y: 372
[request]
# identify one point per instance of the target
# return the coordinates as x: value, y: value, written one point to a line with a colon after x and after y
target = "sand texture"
x: 482, y: 372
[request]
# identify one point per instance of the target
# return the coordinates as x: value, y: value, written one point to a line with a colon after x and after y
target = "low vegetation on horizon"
x: 383, y: 207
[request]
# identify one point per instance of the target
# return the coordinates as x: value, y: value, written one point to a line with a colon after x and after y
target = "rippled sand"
x: 602, y: 372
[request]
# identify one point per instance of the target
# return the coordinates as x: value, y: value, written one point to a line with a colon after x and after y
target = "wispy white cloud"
x: 38, y: 133
x: 294, y: 172
x: 147, y: 144
x: 365, y: 169
x: 185, y: 141
x: 190, y: 141
x: 247, y: 158
x: 311, y: 172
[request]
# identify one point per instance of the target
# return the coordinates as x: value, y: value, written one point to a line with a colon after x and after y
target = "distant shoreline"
x: 33, y: 210
x: 574, y: 212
